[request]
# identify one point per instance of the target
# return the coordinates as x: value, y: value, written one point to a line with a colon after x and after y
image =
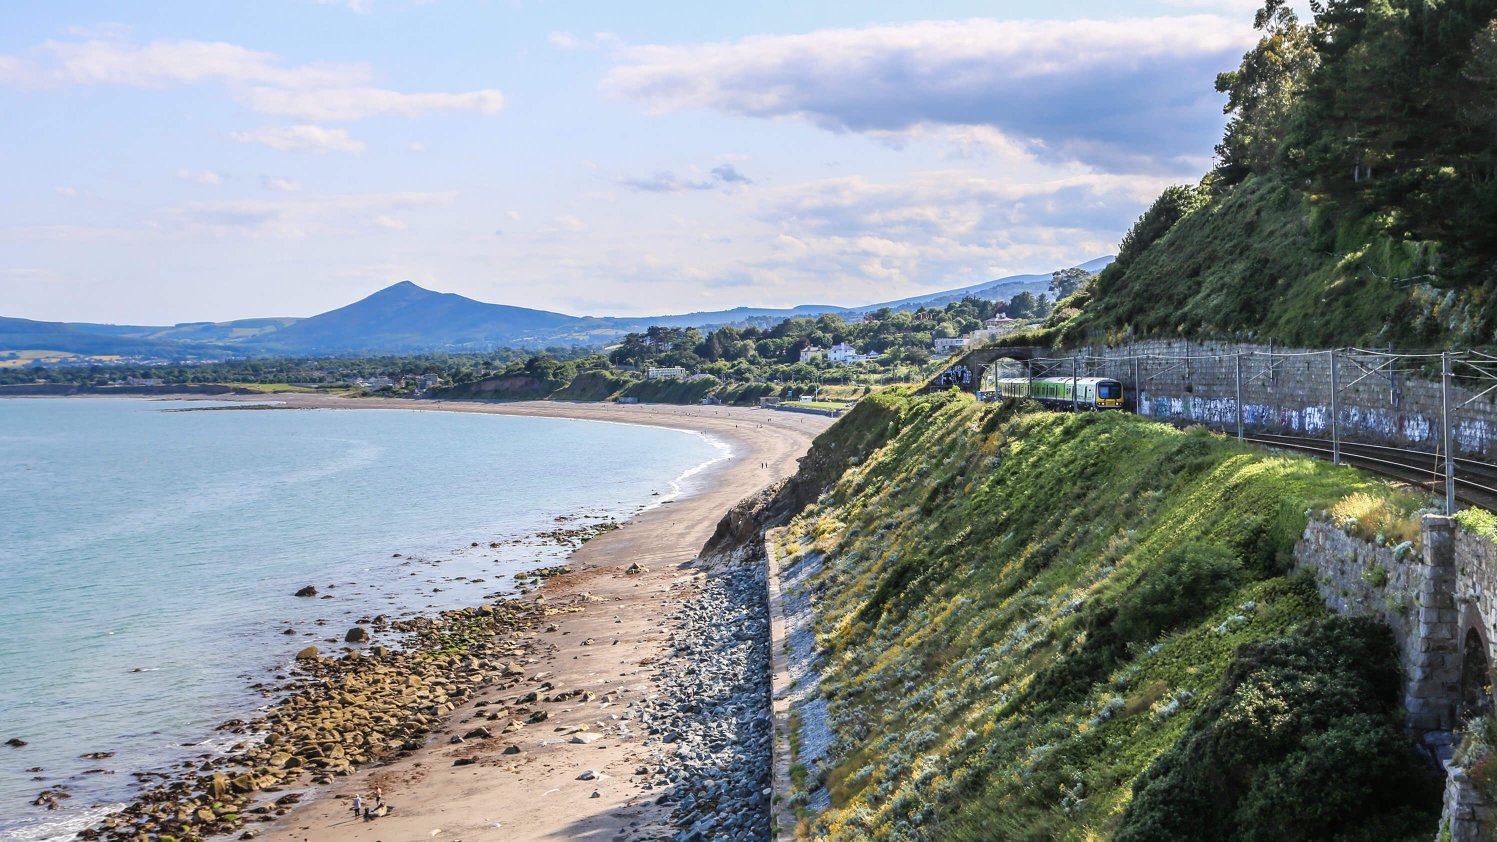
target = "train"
x: 1092, y: 393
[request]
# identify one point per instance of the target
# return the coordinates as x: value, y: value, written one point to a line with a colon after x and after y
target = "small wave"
x: 55, y: 829
x: 679, y: 484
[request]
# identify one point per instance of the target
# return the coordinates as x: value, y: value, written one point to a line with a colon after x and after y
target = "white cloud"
x: 302, y: 138
x: 416, y: 146
x: 562, y: 40
x: 67, y: 192
x: 1122, y: 94
x: 298, y: 217
x: 284, y: 185
x: 207, y: 178
x: 342, y: 104
x: 160, y: 63
x: 320, y: 92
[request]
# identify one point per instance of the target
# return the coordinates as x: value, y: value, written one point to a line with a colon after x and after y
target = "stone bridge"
x: 1441, y: 605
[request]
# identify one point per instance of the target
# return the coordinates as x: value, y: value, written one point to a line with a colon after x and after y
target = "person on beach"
x: 358, y: 806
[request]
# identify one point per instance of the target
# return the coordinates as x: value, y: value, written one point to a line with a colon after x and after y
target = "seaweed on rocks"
x: 340, y: 714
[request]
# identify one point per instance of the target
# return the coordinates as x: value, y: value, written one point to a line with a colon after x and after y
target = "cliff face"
x: 1036, y: 626
x: 867, y: 427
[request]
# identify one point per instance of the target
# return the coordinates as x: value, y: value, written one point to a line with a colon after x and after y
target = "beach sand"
x: 536, y: 794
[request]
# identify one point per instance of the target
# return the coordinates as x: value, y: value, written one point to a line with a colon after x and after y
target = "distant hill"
x: 29, y: 335
x: 406, y: 318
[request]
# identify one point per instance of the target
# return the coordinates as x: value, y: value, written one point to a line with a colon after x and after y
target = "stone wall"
x: 1291, y: 394
x: 1361, y: 579
x: 1411, y: 591
x: 1441, y: 605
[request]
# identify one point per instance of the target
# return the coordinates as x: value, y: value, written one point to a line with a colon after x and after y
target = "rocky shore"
x: 710, y: 718
x: 644, y: 669
x: 341, y: 713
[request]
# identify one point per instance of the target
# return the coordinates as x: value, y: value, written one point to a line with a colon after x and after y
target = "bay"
x: 148, y: 558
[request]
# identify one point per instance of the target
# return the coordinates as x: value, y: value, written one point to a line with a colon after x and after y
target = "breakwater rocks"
x: 713, y: 710
x: 340, y: 714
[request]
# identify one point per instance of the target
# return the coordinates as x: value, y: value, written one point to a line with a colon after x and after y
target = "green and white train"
x: 1063, y: 392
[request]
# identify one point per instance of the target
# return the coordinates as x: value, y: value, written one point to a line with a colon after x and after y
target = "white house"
x: 810, y: 353
x: 674, y: 372
x: 950, y: 344
x: 843, y: 353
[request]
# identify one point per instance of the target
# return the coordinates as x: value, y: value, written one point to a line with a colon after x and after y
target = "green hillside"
x: 1354, y: 199
x: 1045, y: 626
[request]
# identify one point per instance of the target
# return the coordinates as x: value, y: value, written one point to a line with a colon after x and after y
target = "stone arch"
x: 1476, y: 668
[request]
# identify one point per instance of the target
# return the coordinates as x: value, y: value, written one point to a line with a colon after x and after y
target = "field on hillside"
x: 1053, y: 626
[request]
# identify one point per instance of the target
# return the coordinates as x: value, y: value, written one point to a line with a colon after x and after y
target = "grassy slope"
x: 1021, y: 614
x: 1260, y: 263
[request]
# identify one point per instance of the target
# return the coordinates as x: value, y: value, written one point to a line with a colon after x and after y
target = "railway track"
x: 1475, y: 482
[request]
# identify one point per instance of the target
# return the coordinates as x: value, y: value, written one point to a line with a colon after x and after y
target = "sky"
x: 171, y: 162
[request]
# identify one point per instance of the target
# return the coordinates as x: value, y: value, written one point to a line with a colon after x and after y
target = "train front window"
x: 1109, y: 391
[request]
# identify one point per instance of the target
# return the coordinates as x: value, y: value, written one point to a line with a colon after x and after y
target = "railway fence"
x: 1429, y: 418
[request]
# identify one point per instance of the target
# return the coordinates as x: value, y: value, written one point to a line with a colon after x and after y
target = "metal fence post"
x: 1238, y: 358
x: 1075, y: 400
x: 1335, y: 414
x: 1446, y: 433
x: 1138, y: 406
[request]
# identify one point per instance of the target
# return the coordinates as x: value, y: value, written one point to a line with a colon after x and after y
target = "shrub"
x: 1301, y: 740
x: 1479, y: 521
x: 1377, y: 518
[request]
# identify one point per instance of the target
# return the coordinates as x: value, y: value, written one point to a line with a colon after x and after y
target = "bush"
x: 1189, y: 582
x: 1479, y: 521
x: 1301, y: 740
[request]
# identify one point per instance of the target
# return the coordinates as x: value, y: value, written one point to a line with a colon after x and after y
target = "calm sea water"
x: 148, y: 558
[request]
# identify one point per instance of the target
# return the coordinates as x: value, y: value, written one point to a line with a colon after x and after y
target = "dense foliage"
x: 1311, y: 712
x: 1022, y: 613
x: 738, y: 354
x: 1353, y: 198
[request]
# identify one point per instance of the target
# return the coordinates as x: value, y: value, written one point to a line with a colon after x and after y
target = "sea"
x: 149, y: 557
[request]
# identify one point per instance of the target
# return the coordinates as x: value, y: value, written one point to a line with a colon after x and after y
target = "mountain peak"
x: 405, y: 286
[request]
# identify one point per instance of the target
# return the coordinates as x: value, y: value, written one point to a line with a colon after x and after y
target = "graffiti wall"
x: 1289, y: 393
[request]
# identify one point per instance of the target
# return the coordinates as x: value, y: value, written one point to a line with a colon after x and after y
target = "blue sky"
x: 208, y: 161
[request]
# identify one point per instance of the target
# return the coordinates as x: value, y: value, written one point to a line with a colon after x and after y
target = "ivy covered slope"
x: 1049, y: 626
x: 1354, y: 197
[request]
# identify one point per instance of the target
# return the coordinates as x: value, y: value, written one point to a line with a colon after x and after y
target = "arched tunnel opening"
x: 1476, y: 678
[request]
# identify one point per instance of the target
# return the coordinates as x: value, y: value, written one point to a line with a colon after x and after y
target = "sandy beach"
x: 598, y: 650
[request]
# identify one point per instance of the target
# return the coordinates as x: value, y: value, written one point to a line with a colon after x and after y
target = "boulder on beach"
x: 309, y: 590
x: 357, y: 634
x: 307, y: 654
x: 15, y: 742
x: 636, y: 568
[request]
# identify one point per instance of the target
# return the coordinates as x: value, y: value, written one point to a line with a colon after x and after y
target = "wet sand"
x: 607, y: 630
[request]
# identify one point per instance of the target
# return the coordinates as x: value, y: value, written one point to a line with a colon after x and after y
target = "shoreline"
x: 471, y: 789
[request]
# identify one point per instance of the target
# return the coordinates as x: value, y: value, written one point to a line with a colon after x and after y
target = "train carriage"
x: 1064, y: 392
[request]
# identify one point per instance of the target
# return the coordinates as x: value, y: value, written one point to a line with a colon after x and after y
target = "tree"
x: 1262, y: 93
x: 1027, y: 305
x: 1064, y: 282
